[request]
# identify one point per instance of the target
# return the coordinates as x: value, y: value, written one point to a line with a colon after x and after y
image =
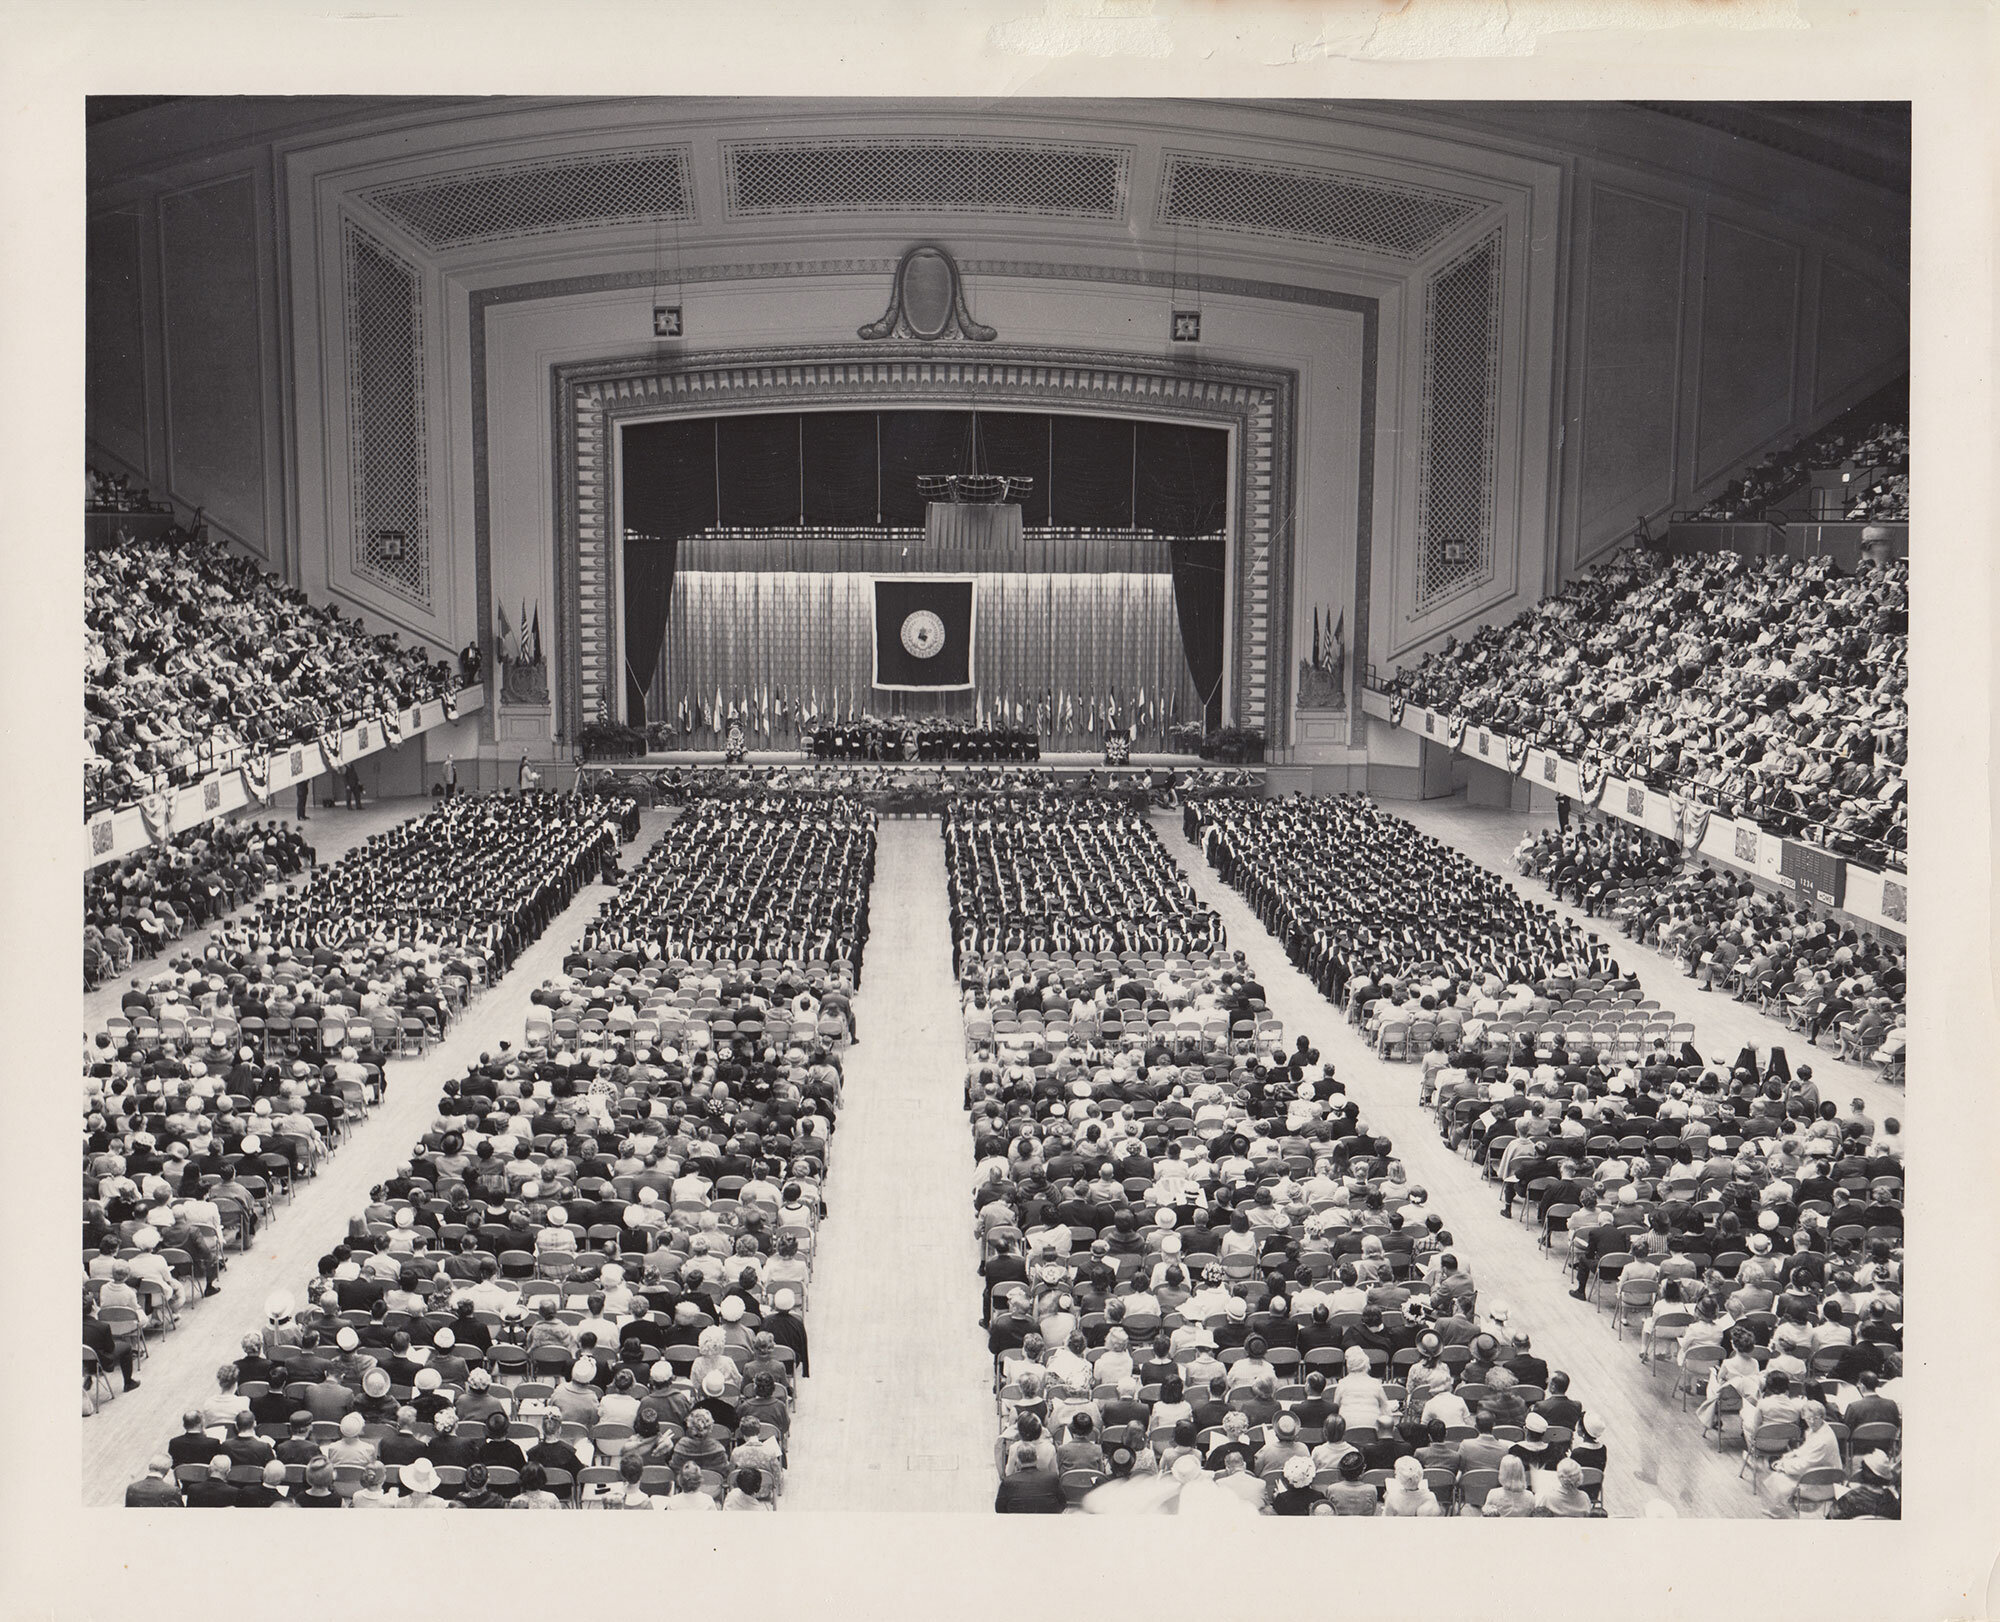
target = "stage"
x: 914, y: 787
x: 1080, y: 760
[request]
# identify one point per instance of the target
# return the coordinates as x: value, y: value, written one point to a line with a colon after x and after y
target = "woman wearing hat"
x: 1563, y: 1495
x: 420, y: 1481
x: 1587, y: 1446
x: 1408, y: 1494
x: 1293, y: 1493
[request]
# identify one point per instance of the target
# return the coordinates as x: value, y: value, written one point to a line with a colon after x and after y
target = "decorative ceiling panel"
x: 931, y: 174
x: 1310, y: 205
x: 571, y: 193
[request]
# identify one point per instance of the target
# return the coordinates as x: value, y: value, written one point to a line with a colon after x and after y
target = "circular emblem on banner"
x: 923, y: 635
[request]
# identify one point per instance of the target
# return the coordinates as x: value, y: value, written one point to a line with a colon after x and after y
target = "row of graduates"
x: 486, y: 874
x: 783, y: 876
x: 1059, y: 872
x: 1352, y: 890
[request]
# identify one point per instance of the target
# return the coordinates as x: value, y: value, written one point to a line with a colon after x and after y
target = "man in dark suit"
x: 246, y: 1446
x: 1028, y: 1489
x: 1522, y: 1363
x: 1559, y: 1408
x: 1012, y: 1327
x: 1125, y: 1408
x: 156, y: 1489
x: 193, y: 1445
x: 215, y: 1492
x: 1870, y: 1408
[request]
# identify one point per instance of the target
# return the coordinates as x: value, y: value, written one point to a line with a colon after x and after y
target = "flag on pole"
x: 1319, y: 657
x: 508, y: 652
x: 715, y: 715
x: 1330, y: 661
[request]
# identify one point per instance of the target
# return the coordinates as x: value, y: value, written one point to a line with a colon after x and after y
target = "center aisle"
x: 898, y: 1413
x: 1655, y: 1451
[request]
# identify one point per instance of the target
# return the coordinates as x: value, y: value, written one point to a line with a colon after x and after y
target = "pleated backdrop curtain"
x: 1052, y: 650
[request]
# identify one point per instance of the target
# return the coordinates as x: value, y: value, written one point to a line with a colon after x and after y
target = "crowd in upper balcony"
x: 195, y: 656
x: 1872, y: 442
x: 1768, y: 688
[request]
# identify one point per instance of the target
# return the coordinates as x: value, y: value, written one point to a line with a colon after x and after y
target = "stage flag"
x: 923, y: 633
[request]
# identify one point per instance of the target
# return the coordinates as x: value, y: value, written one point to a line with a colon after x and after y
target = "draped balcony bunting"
x: 157, y: 811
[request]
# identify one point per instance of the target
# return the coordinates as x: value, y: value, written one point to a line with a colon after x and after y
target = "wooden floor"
x: 1655, y: 1452
x: 898, y: 1414
x: 134, y: 1426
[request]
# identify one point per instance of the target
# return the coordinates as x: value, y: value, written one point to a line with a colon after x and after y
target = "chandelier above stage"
x: 975, y: 489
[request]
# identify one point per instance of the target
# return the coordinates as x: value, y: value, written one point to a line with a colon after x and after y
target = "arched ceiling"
x: 486, y: 188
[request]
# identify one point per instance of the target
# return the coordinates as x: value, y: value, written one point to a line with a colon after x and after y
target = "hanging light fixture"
x: 1185, y: 308
x: 667, y: 318
x: 975, y: 488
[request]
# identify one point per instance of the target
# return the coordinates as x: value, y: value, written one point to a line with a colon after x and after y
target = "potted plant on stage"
x: 1235, y: 746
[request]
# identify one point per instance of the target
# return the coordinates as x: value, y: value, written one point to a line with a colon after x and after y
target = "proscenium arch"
x: 1256, y: 405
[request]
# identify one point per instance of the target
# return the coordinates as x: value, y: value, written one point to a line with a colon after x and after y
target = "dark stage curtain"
x: 1091, y: 477
x: 1199, y: 594
x: 840, y: 471
x: 1182, y: 480
x: 670, y: 476
x: 649, y: 595
x: 757, y: 470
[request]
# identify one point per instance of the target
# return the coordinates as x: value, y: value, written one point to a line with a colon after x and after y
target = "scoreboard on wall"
x: 1814, y: 872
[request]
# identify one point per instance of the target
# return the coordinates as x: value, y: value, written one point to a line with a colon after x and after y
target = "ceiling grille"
x: 534, y: 199
x: 388, y: 465
x: 1461, y: 419
x: 1310, y: 205
x: 1057, y: 179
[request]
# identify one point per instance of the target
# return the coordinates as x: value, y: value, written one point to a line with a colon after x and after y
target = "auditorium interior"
x: 1295, y: 713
